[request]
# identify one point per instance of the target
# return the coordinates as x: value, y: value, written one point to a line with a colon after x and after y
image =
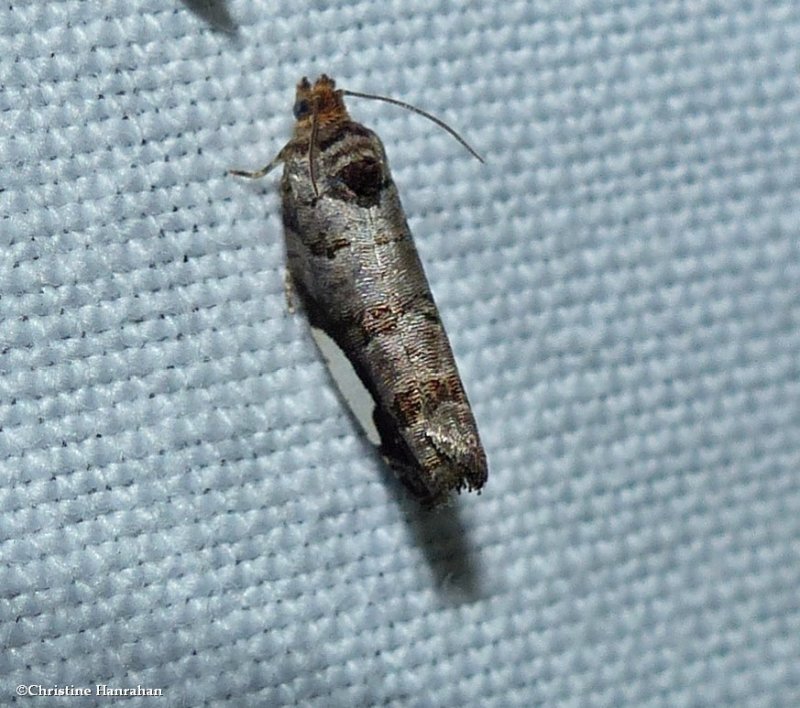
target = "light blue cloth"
x: 184, y: 502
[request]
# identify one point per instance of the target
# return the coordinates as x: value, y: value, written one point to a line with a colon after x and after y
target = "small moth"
x: 353, y: 266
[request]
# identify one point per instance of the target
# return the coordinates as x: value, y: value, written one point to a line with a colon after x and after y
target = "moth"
x: 353, y: 266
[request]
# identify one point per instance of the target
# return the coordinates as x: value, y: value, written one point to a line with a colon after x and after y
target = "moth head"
x: 321, y: 101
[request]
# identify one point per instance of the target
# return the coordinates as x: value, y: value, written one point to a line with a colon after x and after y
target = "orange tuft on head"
x: 322, y: 99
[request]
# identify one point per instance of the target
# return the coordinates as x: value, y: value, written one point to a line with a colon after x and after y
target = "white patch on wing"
x: 354, y: 392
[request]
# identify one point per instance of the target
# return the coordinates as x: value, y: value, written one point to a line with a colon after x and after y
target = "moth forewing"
x: 354, y: 267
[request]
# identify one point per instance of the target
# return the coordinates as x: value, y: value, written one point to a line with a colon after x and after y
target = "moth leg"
x: 411, y: 479
x: 399, y: 458
x: 289, y: 290
x: 262, y: 172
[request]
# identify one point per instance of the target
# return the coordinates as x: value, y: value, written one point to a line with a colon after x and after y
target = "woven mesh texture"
x: 184, y: 502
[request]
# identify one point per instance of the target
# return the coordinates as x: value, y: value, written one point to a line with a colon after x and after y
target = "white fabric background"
x: 185, y: 504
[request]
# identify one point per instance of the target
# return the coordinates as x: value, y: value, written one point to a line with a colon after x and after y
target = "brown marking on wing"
x: 328, y: 246
x: 434, y: 391
x: 380, y: 319
x: 407, y: 406
x: 382, y: 238
x: 424, y: 396
x: 384, y: 318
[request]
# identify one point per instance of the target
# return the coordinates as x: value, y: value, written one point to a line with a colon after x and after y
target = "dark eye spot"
x: 301, y: 109
x: 365, y: 179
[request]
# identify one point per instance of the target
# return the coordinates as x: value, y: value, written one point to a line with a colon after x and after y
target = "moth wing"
x: 361, y: 394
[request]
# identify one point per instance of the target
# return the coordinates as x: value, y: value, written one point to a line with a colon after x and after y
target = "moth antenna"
x: 414, y: 109
x: 312, y: 143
